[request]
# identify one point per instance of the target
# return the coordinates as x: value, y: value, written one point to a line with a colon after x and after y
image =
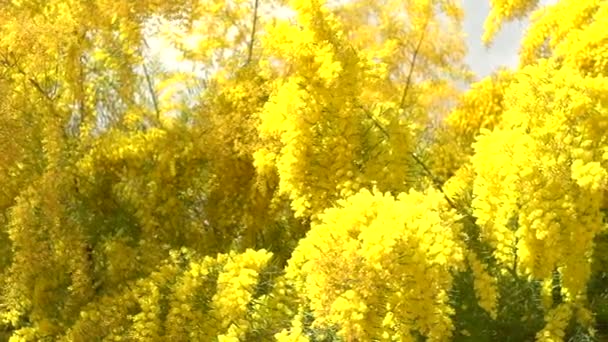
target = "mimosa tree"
x: 295, y: 187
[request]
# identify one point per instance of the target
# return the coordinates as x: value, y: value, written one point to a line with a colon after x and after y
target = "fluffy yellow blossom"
x: 294, y: 333
x: 345, y: 113
x: 376, y: 256
x: 235, y: 286
x: 505, y: 10
x: 485, y: 286
x: 540, y: 178
x: 480, y: 107
x: 556, y: 323
x: 572, y: 33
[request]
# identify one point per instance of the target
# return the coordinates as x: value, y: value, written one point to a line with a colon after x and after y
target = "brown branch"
x: 150, y: 85
x: 434, y: 179
x: 152, y: 92
x: 253, y: 28
x: 412, y: 64
x: 376, y: 123
x: 5, y: 61
x: 38, y: 87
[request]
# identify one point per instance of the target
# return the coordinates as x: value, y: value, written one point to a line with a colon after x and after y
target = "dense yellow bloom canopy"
x: 295, y: 184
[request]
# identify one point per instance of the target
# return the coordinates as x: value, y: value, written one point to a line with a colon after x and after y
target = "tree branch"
x: 408, y: 82
x: 434, y: 179
x: 253, y: 28
x: 150, y: 86
x: 152, y: 92
x: 5, y: 61
x: 437, y: 182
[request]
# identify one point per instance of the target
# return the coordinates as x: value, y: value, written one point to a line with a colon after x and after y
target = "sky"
x: 503, y: 51
x: 482, y: 60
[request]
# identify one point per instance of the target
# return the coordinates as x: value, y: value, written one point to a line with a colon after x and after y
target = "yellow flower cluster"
x: 294, y: 333
x: 572, y: 32
x: 240, y: 190
x: 311, y: 119
x: 502, y: 11
x: 185, y: 298
x: 480, y: 107
x: 272, y: 311
x: 28, y: 334
x: 540, y: 177
x: 485, y: 285
x: 184, y: 320
x: 380, y: 267
x: 236, y: 285
x: 333, y: 124
x: 458, y: 187
x: 557, y: 320
x: 146, y: 323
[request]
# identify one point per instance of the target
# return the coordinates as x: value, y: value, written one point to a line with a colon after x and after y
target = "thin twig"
x: 412, y: 64
x: 150, y: 85
x: 253, y: 28
x: 376, y: 123
x: 152, y: 92
x: 434, y: 179
x: 39, y: 88
x: 418, y: 161
x: 31, y: 80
